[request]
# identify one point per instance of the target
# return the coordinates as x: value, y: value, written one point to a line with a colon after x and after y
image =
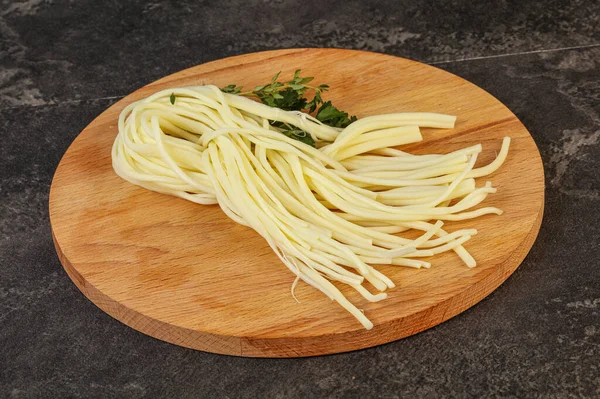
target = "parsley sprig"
x: 291, y: 96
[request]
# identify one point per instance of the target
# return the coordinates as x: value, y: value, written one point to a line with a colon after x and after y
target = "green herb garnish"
x: 330, y: 115
x: 172, y: 98
x: 294, y: 133
x: 290, y: 96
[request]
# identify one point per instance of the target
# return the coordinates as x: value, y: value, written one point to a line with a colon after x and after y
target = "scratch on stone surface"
x: 571, y: 143
x: 541, y: 52
x: 586, y: 303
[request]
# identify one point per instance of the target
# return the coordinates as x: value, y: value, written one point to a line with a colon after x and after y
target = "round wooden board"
x: 187, y: 274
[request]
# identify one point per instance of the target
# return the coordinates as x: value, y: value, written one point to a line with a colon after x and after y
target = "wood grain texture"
x: 187, y: 274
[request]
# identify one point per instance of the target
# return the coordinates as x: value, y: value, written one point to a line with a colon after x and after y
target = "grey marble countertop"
x: 63, y: 62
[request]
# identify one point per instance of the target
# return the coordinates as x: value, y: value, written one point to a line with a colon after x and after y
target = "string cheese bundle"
x: 329, y: 213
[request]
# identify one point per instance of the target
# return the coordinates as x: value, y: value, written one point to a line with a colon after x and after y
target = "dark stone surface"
x: 57, y: 51
x: 63, y: 63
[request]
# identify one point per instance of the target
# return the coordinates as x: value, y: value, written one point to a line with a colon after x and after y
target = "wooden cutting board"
x: 187, y: 274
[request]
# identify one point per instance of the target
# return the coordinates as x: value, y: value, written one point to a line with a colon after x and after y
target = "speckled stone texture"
x: 62, y: 63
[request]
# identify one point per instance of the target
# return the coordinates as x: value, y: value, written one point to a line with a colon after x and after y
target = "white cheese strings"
x: 329, y: 213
